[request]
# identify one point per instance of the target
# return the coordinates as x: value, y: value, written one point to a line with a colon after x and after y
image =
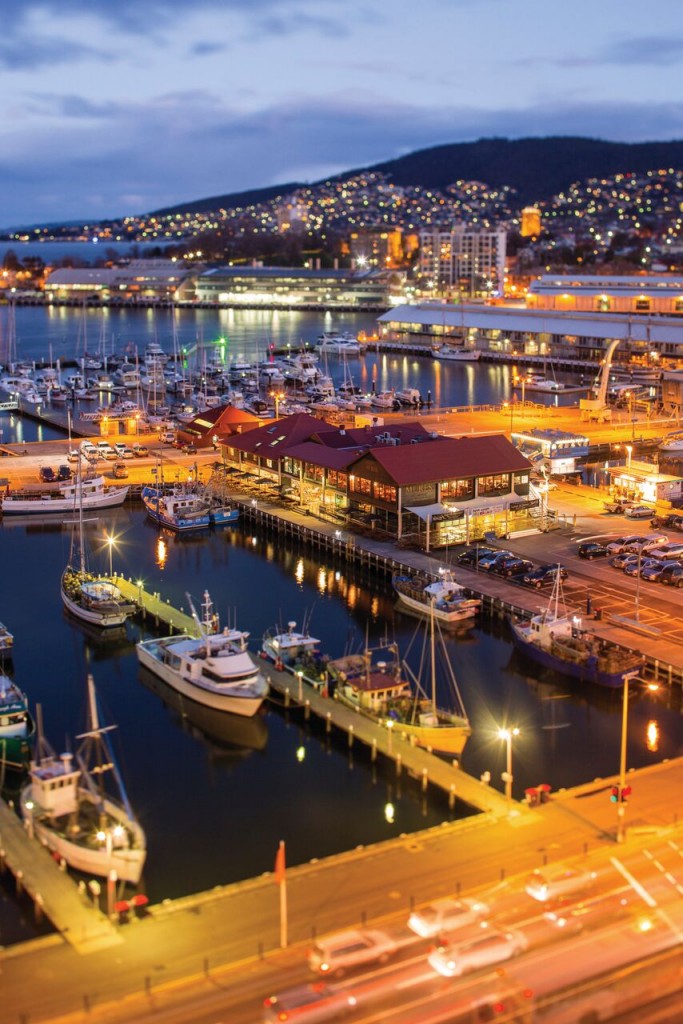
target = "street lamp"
x: 507, y: 734
x: 621, y: 803
x: 629, y: 450
x: 110, y: 540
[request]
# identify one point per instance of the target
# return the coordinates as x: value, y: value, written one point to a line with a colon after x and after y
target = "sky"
x: 116, y: 107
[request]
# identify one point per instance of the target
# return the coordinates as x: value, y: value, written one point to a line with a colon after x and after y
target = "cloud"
x: 25, y: 51
x: 648, y: 50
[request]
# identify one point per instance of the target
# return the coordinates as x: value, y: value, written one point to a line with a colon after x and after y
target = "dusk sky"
x: 114, y: 107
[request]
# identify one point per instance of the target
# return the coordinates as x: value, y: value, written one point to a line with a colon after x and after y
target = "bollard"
x: 451, y: 797
x: 398, y: 764
x: 328, y: 722
x: 425, y: 780
x: 19, y: 881
x: 307, y: 710
x: 350, y: 736
x: 373, y: 750
x: 287, y: 697
x: 38, y: 908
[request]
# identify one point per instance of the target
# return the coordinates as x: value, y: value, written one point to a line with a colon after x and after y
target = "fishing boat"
x: 458, y: 354
x: 214, y: 669
x: 672, y: 442
x: 285, y: 647
x: 76, y: 805
x: 179, y: 509
x: 381, y: 685
x: 447, y: 599
x: 556, y: 640
x: 63, y: 497
x: 89, y: 597
x: 16, y: 725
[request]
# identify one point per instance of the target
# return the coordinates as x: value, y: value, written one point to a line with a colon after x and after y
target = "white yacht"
x: 214, y: 669
x: 62, y: 497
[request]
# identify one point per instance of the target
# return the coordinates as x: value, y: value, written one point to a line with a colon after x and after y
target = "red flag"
x: 280, y: 863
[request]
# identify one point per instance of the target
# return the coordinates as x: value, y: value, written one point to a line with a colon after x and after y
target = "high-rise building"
x: 468, y: 262
x: 377, y: 247
x: 531, y: 222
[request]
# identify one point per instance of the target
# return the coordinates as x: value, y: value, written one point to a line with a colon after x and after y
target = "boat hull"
x: 467, y: 609
x: 127, y: 862
x: 235, y: 704
x: 223, y: 516
x: 41, y: 504
x: 586, y: 671
x: 104, y: 618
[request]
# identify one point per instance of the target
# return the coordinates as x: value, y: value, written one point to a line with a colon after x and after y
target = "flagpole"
x: 281, y: 879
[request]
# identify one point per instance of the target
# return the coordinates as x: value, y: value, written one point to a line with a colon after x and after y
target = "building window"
x: 457, y: 490
x: 360, y: 486
x: 498, y: 483
x: 642, y: 305
x: 384, y: 492
x: 337, y: 480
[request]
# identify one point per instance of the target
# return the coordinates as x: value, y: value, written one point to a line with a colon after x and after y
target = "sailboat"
x: 80, y: 810
x: 556, y: 640
x: 381, y: 685
x: 87, y: 596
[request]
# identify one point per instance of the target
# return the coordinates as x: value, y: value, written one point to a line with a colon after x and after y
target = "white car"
x: 309, y: 1003
x: 123, y: 451
x: 343, y: 951
x: 668, y: 552
x: 105, y: 451
x: 552, y: 883
x: 447, y: 914
x: 492, y: 947
x: 652, y: 542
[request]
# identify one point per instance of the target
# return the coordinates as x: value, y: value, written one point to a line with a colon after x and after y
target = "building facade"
x: 464, y: 262
x: 632, y: 294
x: 299, y: 287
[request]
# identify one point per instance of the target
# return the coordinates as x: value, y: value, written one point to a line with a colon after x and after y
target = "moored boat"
x: 78, y: 808
x: 63, y: 497
x: 447, y: 599
x: 380, y: 685
x: 556, y: 640
x: 178, y: 509
x: 286, y: 646
x: 16, y: 725
x: 214, y: 669
x: 457, y: 353
x: 6, y: 643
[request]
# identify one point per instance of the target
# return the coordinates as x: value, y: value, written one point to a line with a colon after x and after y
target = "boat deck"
x: 53, y: 891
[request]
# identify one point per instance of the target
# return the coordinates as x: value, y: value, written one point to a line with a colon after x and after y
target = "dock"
x: 52, y: 890
x: 154, y: 607
x: 418, y: 762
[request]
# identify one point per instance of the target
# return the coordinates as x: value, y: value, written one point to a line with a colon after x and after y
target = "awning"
x: 433, y: 511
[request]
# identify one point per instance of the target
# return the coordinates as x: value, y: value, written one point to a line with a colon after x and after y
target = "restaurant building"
x: 403, y: 482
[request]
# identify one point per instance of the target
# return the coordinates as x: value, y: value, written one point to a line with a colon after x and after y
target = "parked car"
x: 492, y: 947
x: 620, y: 544
x: 189, y: 448
x: 541, y: 575
x: 622, y: 559
x: 447, y: 914
x: 64, y: 473
x: 672, y: 575
x: 638, y: 512
x: 343, y: 951
x: 635, y: 565
x: 119, y: 471
x: 670, y: 522
x: 46, y: 474
x: 486, y: 561
x: 511, y: 566
x: 668, y: 552
x: 572, y: 918
x: 90, y: 452
x: 308, y: 1003
x: 140, y: 450
x: 591, y: 549
x: 617, y: 506
x: 649, y: 544
x: 554, y: 882
x: 123, y: 451
x: 652, y: 572
x: 74, y: 455
x: 471, y: 556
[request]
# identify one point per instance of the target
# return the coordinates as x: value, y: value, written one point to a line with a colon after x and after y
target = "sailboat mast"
x: 81, y: 542
x: 432, y: 651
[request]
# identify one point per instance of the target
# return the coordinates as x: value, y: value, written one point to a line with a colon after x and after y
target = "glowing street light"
x: 507, y: 734
x: 110, y: 541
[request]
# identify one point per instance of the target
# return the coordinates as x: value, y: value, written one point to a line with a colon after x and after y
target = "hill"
x: 536, y: 168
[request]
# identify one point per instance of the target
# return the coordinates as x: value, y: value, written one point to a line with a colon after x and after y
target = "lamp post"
x: 621, y: 803
x: 507, y: 734
x: 629, y: 450
x: 110, y: 540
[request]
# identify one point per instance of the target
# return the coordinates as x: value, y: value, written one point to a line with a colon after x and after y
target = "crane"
x: 596, y: 408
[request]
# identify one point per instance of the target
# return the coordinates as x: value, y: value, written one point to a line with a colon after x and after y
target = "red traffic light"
x: 625, y: 793
x: 614, y: 794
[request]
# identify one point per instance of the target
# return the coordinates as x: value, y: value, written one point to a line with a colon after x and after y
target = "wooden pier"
x: 154, y: 607
x: 53, y: 891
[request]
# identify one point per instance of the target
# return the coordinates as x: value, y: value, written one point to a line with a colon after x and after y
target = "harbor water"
x: 216, y: 795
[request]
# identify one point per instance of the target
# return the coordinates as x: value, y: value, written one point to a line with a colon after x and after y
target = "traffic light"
x: 625, y: 794
x: 614, y: 795
x: 618, y: 795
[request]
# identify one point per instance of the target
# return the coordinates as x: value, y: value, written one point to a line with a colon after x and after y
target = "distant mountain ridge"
x: 537, y: 168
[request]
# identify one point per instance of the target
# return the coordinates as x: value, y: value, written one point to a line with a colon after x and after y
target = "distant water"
x: 88, y: 252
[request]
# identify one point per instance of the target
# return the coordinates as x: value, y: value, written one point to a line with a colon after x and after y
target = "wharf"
x: 153, y: 606
x: 420, y: 763
x: 53, y: 892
